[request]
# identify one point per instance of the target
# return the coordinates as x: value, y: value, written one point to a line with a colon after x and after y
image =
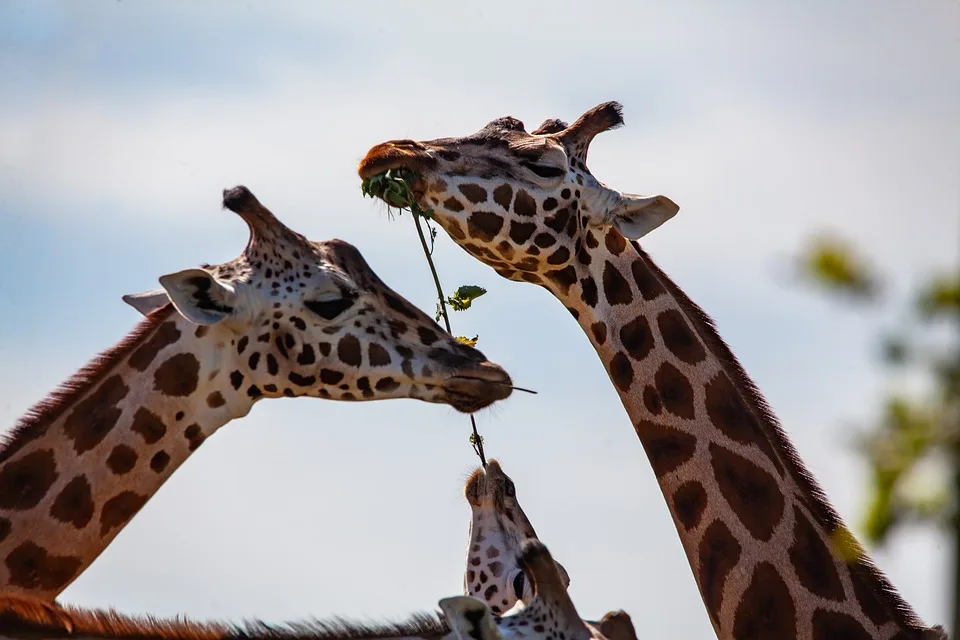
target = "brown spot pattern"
x: 615, y: 286
x: 474, y: 193
x: 452, y: 204
x: 621, y: 371
x: 647, y: 283
x: 675, y: 390
x: 31, y: 567
x: 121, y: 459
x: 148, y: 425
x: 666, y: 447
x: 159, y: 461
x: 615, y: 241
x: 118, y: 510
x: 751, y: 492
x: 194, y: 436
x: 502, y: 195
x: 730, y: 415
x: 689, y: 503
x: 651, y: 400
x: 678, y: 337
x: 165, y: 335
x: 5, y: 527
x: 599, y: 330
x: 766, y: 611
x: 831, y: 625
x: 484, y: 225
x: 178, y: 376
x: 588, y: 291
x: 215, y: 400
x: 74, y: 503
x: 719, y: 553
x: 94, y: 417
x: 563, y: 278
x: 812, y: 560
x: 520, y: 232
x: 25, y: 482
x: 524, y: 205
x: 636, y: 338
x: 377, y: 355
x: 348, y: 350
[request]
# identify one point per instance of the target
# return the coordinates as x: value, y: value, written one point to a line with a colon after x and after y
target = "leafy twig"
x: 394, y: 188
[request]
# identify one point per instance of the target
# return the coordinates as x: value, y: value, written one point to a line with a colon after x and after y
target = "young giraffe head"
x: 307, y: 318
x: 498, y: 529
x: 550, y: 615
x: 524, y: 203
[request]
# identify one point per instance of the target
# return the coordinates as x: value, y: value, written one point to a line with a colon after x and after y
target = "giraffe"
x: 770, y: 555
x: 498, y: 529
x: 289, y: 317
x: 549, y: 613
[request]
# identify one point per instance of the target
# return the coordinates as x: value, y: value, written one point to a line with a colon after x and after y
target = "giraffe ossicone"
x: 287, y: 318
x: 758, y: 532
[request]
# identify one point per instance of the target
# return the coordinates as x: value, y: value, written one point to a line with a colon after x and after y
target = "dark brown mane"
x: 39, y: 417
x: 820, y: 507
x: 38, y: 620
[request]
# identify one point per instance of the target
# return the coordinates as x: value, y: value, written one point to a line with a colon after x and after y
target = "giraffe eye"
x: 545, y: 170
x: 510, y: 489
x: 329, y: 309
x: 518, y: 585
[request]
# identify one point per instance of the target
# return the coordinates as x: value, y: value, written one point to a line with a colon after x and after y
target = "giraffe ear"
x: 636, y: 216
x: 199, y: 297
x: 470, y: 618
x: 146, y: 302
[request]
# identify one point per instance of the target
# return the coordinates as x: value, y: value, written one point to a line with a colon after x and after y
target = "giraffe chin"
x: 467, y: 394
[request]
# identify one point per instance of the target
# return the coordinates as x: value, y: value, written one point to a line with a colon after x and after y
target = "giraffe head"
x: 523, y: 203
x: 303, y: 318
x: 498, y: 529
x: 549, y: 615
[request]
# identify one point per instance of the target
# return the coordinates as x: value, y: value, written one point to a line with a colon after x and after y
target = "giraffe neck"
x: 84, y: 461
x: 30, y: 619
x: 758, y: 533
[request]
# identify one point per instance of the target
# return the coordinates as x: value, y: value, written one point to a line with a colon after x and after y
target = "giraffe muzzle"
x: 477, y: 389
x: 395, y: 154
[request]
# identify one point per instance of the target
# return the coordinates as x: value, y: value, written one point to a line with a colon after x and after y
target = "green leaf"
x: 835, y: 265
x: 464, y: 296
x: 941, y: 297
x: 470, y: 342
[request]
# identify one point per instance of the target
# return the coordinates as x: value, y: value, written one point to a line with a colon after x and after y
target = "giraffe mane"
x: 820, y: 507
x: 41, y: 620
x: 32, y: 424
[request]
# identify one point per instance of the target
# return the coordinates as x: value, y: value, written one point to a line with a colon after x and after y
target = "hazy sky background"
x: 121, y: 122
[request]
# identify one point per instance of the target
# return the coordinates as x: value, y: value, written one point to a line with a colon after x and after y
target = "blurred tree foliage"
x: 913, y: 448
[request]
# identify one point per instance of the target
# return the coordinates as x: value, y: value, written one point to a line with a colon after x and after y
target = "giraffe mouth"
x: 471, y: 392
x: 395, y: 154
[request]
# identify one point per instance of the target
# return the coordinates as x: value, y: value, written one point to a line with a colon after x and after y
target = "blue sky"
x: 121, y: 122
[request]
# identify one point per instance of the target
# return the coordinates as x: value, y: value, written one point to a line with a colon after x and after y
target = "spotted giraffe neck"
x: 83, y: 462
x: 759, y: 534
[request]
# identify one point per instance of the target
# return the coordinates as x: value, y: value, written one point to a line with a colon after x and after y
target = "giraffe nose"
x: 395, y: 154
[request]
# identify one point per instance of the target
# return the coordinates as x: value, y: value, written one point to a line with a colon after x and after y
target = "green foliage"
x: 835, y: 266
